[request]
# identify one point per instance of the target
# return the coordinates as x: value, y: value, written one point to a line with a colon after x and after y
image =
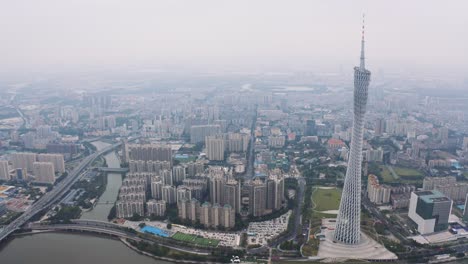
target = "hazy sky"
x: 60, y: 33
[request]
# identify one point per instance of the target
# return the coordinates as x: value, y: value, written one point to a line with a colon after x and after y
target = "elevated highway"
x: 55, y: 194
x: 116, y: 170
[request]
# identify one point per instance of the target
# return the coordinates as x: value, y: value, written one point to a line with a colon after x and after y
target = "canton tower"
x: 348, y: 229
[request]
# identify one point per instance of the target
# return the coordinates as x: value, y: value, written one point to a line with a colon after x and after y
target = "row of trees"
x: 65, y: 215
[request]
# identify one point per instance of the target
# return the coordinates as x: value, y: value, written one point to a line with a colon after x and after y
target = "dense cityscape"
x: 193, y: 166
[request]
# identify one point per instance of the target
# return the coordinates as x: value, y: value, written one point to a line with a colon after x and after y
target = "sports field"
x: 407, y: 172
x: 405, y: 175
x: 326, y: 199
x: 195, y: 239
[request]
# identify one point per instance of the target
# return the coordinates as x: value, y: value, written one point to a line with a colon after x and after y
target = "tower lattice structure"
x: 348, y: 229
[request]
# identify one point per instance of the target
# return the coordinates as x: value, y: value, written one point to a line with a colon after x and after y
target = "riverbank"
x: 128, y: 244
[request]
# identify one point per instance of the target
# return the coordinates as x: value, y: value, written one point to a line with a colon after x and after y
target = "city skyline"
x: 308, y: 33
x: 242, y: 131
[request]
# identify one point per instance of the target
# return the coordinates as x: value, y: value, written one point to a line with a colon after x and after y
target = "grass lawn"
x: 407, y: 172
x: 386, y: 174
x: 195, y: 239
x: 318, y: 262
x: 466, y: 175
x: 326, y: 199
x: 406, y: 175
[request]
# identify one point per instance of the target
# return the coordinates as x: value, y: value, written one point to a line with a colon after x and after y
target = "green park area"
x: 195, y: 239
x: 386, y: 174
x: 326, y: 199
x: 404, y: 175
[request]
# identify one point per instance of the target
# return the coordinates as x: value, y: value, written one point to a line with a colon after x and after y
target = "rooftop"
x: 432, y: 196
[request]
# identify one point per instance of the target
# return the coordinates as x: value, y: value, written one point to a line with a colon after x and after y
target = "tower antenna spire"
x: 363, y: 64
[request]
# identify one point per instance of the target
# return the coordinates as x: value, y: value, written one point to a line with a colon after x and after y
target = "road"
x: 49, y: 198
x: 376, y: 213
x: 249, y: 172
x: 297, y: 215
x: 297, y: 221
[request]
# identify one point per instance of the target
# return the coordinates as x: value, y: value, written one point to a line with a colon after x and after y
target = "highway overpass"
x: 116, y: 170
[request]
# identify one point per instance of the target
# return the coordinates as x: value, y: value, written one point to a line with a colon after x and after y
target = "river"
x: 114, y: 181
x: 51, y: 248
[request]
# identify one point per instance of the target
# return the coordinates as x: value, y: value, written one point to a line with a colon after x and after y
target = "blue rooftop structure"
x: 154, y: 231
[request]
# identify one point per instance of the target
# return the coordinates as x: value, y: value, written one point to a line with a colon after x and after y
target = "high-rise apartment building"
x: 23, y: 161
x: 166, y: 176
x: 178, y: 174
x: 4, y: 170
x: 148, y: 166
x: 56, y: 159
x: 217, y: 189
x: 209, y: 215
x: 237, y: 142
x: 195, y: 168
x: 310, y: 129
x: 465, y: 212
x: 132, y: 196
x: 275, y: 192
x: 257, y: 198
x: 379, y: 127
x: 429, y: 183
x: 156, y: 188
x: 215, y: 148
x: 183, y: 193
x: 150, y: 152
x: 193, y: 210
x: 348, y: 229
x: 67, y: 149
x: 465, y: 144
x: 448, y: 186
x: 228, y: 216
x: 198, y: 133
x: 126, y: 209
x: 232, y: 194
x: 374, y: 155
x: 377, y: 193
x: 276, y: 141
x: 169, y: 194
x: 44, y: 172
x: 157, y: 208
x: 44, y: 132
x: 205, y: 214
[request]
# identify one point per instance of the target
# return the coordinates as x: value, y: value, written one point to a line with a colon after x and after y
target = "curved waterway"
x: 51, y: 248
